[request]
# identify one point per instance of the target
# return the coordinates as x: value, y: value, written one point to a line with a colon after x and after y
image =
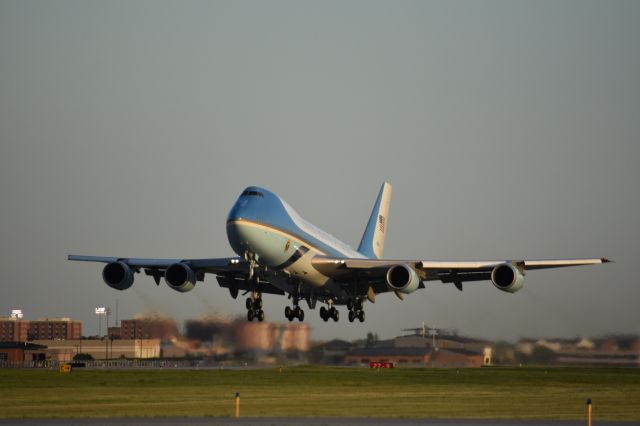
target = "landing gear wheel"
x: 361, y: 316
x: 250, y: 315
x: 257, y: 304
x: 288, y: 313
x: 324, y: 314
x: 249, y: 304
x: 301, y: 315
x: 350, y: 304
x: 334, y: 314
x: 260, y: 315
x: 352, y: 316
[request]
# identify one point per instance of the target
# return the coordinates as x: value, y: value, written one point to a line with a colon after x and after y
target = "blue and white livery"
x: 281, y: 253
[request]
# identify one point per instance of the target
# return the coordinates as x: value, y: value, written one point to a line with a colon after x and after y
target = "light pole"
x: 100, y: 310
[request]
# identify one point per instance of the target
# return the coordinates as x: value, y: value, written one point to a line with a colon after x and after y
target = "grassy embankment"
x: 531, y: 393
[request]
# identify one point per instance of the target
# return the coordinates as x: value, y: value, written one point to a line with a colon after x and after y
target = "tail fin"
x: 372, y: 243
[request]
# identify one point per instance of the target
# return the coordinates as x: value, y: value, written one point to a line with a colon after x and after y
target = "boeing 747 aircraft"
x: 281, y: 253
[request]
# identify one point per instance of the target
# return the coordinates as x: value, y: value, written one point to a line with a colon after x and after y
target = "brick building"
x: 13, y: 330
x: 14, y: 352
x: 54, y: 329
x: 149, y: 328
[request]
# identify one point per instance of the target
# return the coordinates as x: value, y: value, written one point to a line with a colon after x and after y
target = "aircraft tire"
x: 352, y: 316
x: 361, y: 316
x: 257, y: 304
x: 249, y: 304
x: 301, y: 315
x: 260, y: 315
x: 250, y: 315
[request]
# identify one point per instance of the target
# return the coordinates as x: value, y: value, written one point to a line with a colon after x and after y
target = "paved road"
x: 292, y: 421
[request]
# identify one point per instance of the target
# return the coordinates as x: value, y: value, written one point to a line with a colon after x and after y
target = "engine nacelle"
x: 507, y: 277
x: 118, y: 275
x: 403, y: 278
x: 180, y: 277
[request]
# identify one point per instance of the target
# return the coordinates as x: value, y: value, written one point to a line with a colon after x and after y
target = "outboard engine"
x: 507, y: 277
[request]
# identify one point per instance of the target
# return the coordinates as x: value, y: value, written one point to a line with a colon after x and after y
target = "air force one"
x: 281, y: 253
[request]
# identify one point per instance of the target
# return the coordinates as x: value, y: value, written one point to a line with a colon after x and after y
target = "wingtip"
x: 606, y: 260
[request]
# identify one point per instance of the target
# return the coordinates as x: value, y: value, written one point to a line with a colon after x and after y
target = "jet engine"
x: 118, y: 275
x: 180, y: 277
x: 507, y: 277
x: 403, y: 279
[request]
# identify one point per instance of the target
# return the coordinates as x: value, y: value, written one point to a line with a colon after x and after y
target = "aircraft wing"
x: 227, y: 269
x: 373, y: 271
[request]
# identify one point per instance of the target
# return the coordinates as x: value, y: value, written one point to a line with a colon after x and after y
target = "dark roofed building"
x: 14, y: 352
x: 398, y: 356
x: 423, y: 357
x: 331, y: 352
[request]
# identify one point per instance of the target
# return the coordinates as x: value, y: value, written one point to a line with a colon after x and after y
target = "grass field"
x: 528, y: 393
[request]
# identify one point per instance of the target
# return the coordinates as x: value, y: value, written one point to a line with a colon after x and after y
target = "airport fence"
x: 114, y: 364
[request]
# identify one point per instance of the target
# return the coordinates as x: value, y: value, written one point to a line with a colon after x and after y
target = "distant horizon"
x: 239, y: 318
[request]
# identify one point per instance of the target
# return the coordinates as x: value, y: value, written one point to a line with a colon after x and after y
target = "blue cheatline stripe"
x: 293, y: 259
x: 307, y: 239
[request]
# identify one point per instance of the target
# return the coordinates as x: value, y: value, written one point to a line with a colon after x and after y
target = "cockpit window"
x: 253, y: 194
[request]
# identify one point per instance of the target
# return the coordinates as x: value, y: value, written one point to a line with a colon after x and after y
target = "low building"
x: 426, y: 348
x: 404, y: 356
x: 16, y: 352
x: 331, y: 352
x: 417, y: 357
x: 457, y: 358
x: 65, y: 350
x: 615, y: 350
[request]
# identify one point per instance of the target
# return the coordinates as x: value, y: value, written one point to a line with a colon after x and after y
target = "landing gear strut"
x: 331, y: 312
x: 295, y: 312
x: 254, y: 308
x: 355, y: 310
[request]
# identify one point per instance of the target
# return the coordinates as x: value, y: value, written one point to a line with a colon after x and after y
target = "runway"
x: 294, y: 421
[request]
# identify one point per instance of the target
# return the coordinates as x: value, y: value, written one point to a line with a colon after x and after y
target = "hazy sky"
x: 509, y: 130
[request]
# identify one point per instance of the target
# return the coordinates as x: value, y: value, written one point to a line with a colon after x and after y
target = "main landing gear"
x: 332, y: 312
x: 254, y: 308
x: 355, y: 310
x: 295, y: 312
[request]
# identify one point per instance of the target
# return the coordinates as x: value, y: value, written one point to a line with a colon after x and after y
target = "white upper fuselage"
x: 263, y: 225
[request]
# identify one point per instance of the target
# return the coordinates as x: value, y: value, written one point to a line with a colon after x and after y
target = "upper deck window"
x: 253, y: 194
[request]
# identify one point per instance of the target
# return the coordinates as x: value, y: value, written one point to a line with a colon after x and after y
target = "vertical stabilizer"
x: 372, y: 244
